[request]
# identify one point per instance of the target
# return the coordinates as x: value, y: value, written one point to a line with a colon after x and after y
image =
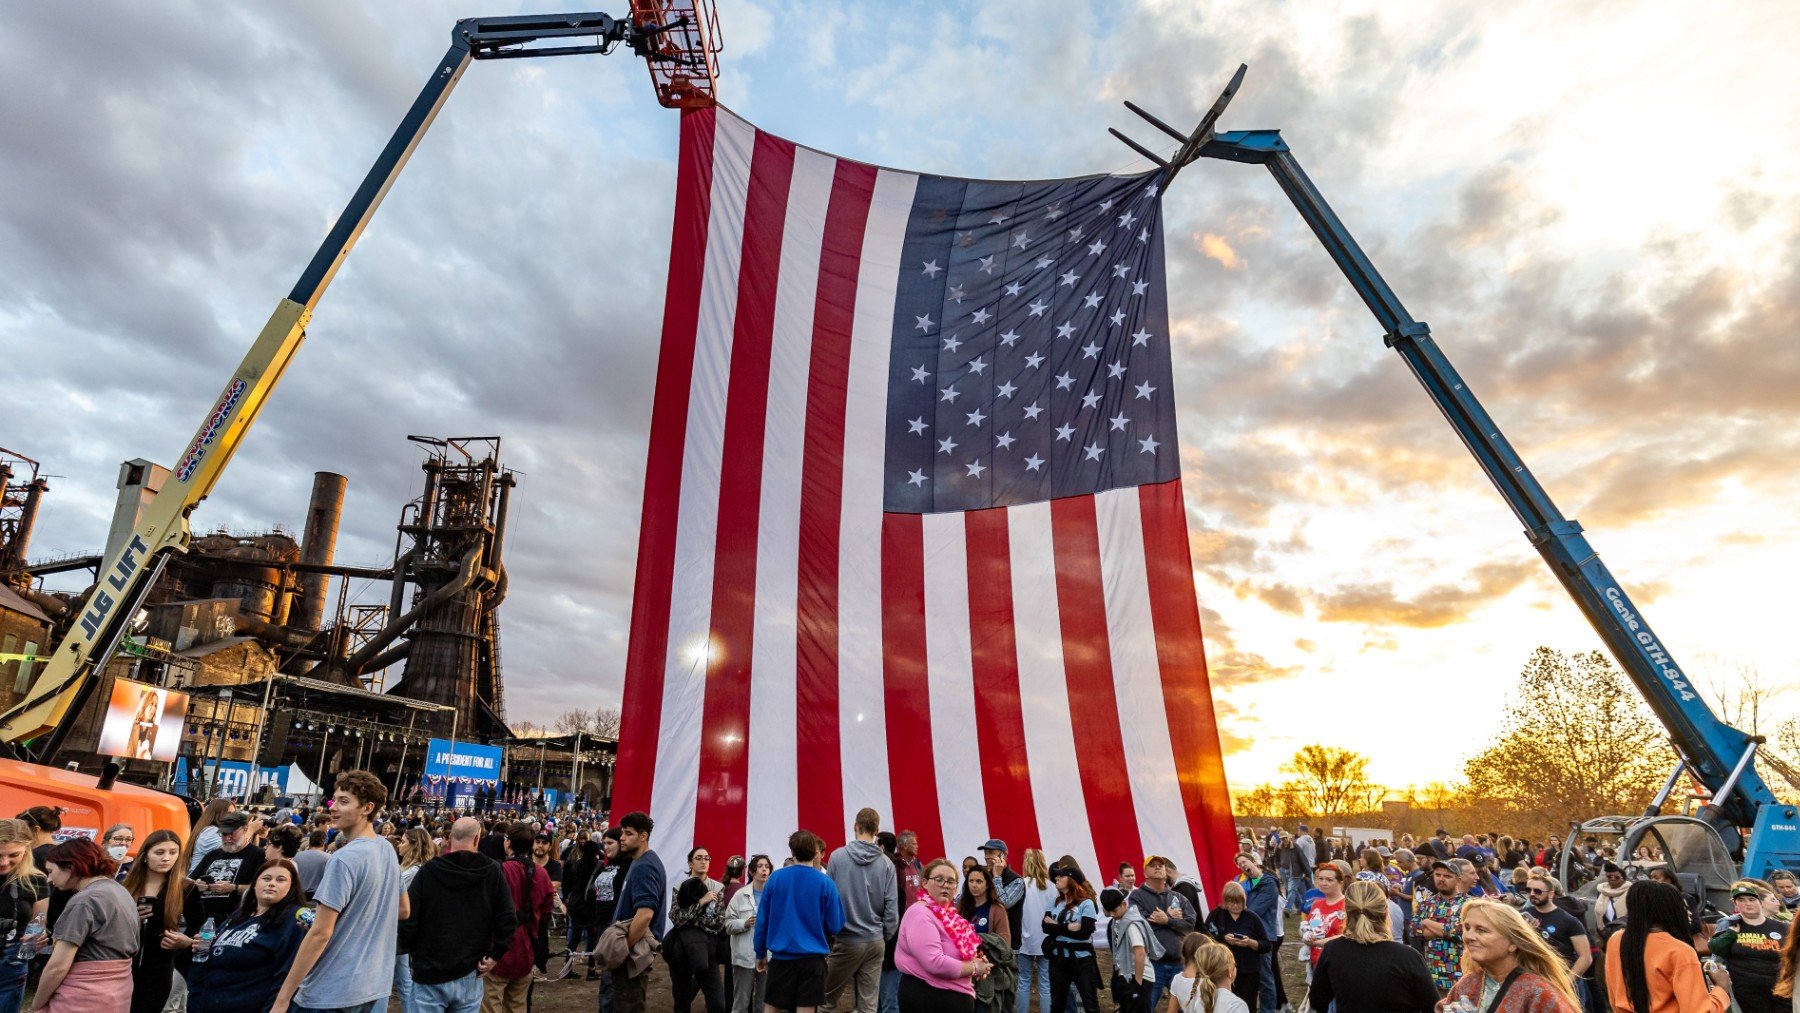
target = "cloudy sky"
x: 1596, y: 205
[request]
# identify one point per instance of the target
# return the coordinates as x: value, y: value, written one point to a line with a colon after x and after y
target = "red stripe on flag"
x: 999, y: 721
x: 1087, y: 664
x: 1187, y: 694
x: 912, y: 773
x: 640, y: 721
x: 820, y: 791
x: 725, y: 719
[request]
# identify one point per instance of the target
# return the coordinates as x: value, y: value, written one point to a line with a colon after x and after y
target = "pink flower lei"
x: 962, y: 934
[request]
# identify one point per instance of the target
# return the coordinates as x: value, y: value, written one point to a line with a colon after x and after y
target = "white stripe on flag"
x: 862, y: 709
x: 1056, y: 793
x: 950, y: 674
x: 771, y: 807
x: 1137, y: 681
x: 677, y: 783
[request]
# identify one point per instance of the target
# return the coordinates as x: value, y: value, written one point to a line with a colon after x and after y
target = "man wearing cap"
x: 225, y: 872
x: 1438, y: 916
x: 1009, y: 885
x: 1169, y: 918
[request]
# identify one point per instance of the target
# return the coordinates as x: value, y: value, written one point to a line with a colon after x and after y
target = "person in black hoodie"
x: 462, y: 920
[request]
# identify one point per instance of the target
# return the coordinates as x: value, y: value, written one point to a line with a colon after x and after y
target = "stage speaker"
x: 275, y: 738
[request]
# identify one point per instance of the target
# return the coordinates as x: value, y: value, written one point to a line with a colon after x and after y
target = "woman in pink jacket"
x: 938, y: 955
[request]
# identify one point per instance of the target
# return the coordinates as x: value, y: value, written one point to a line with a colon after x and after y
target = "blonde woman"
x: 416, y: 848
x: 1364, y: 969
x: 23, y: 896
x: 1204, y: 984
x: 1033, y: 965
x: 1508, y: 968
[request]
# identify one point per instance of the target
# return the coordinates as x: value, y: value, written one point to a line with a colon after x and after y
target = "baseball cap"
x: 994, y: 844
x: 1745, y: 890
x: 233, y: 821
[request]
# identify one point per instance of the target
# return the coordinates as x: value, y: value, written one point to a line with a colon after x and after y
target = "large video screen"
x: 143, y: 722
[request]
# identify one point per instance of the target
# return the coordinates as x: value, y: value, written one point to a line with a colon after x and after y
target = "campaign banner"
x: 463, y: 761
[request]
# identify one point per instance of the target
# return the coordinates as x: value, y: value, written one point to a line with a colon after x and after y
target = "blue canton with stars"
x: 1031, y: 344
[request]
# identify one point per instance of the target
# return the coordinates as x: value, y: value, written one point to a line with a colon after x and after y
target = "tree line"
x: 1577, y: 742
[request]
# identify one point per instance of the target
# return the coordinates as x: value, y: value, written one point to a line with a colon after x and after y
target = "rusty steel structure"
x: 452, y: 540
x: 317, y: 545
x: 21, y: 490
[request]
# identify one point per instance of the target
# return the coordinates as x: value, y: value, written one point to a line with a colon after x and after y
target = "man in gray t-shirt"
x: 311, y: 863
x: 346, y: 962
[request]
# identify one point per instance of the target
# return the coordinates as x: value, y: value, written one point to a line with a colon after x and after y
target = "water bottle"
x: 203, y: 942
x: 29, y: 940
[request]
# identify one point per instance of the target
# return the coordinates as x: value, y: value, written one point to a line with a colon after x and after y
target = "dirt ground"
x: 577, y: 995
x: 572, y: 995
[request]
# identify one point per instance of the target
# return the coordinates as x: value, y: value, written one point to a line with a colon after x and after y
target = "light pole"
x: 223, y: 730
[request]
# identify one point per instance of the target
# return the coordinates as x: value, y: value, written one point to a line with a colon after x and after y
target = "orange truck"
x: 89, y: 808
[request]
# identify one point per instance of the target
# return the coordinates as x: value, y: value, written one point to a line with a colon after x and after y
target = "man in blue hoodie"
x: 1263, y: 899
x: 798, y: 914
x: 870, y: 893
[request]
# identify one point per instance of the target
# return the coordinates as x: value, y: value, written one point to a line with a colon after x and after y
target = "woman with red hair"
x: 97, y: 936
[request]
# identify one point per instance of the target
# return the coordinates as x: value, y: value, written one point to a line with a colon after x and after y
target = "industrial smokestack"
x: 21, y: 539
x: 318, y: 543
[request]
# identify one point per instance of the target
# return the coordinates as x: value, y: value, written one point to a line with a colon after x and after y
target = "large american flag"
x: 913, y: 531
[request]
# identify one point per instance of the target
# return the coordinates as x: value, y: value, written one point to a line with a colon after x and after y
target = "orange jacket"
x: 1676, y: 982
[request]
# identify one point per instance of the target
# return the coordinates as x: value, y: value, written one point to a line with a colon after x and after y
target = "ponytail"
x: 1215, y: 966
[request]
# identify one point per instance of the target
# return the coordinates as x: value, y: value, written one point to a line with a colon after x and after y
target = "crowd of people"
x: 351, y: 907
x: 1485, y: 923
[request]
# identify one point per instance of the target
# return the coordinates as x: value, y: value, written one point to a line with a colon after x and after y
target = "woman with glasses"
x: 939, y: 953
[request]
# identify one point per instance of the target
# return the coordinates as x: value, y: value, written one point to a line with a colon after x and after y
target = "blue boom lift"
x: 1757, y: 830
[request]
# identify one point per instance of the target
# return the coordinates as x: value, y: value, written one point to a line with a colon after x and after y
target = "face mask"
x: 117, y: 852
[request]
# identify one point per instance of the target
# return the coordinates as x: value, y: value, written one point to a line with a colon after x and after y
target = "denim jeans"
x: 1165, y: 972
x: 361, y: 1007
x: 606, y: 992
x: 403, y: 982
x: 1297, y: 885
x: 890, y: 991
x: 12, y: 980
x: 1034, y: 975
x: 1266, y: 994
x: 460, y: 996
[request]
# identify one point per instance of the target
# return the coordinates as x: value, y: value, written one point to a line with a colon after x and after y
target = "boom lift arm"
x: 1719, y: 756
x: 677, y: 37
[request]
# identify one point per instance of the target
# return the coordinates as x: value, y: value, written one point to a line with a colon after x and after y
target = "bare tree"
x: 599, y: 723
x: 604, y: 723
x: 573, y: 720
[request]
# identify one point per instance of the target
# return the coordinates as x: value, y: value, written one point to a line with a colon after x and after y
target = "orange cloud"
x: 1376, y: 604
